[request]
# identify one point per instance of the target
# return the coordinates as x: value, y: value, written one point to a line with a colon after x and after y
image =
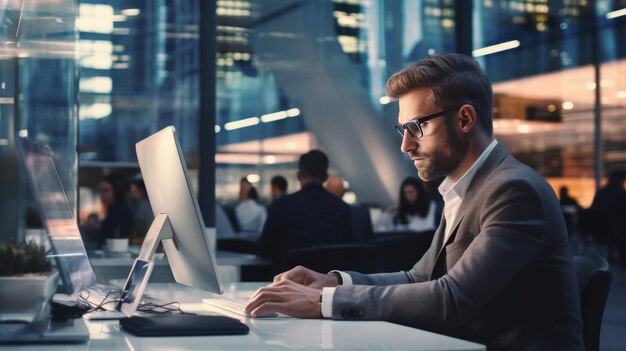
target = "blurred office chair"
x: 594, y: 280
x: 399, y: 251
x: 361, y: 222
x: 324, y: 258
x: 241, y: 245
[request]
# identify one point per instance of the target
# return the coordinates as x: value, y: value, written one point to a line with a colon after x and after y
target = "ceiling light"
x: 246, y: 122
x: 270, y: 159
x: 293, y: 112
x: 615, y: 14
x: 492, y: 49
x: 130, y: 12
x: 271, y: 117
x: 253, y: 178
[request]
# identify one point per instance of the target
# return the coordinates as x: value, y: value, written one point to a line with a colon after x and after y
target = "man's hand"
x: 305, y: 276
x: 286, y: 297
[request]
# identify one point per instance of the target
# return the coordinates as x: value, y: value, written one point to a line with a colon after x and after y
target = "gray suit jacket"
x: 504, y: 278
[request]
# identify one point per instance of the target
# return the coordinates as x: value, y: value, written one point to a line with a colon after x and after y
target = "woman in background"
x: 250, y: 214
x: 416, y: 210
x: 118, y: 221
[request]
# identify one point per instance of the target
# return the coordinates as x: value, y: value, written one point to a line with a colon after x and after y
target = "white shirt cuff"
x: 345, y: 277
x: 327, y: 302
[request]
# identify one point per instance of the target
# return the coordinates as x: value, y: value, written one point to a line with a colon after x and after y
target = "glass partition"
x: 284, y: 67
x: 140, y: 72
x: 37, y: 99
x: 544, y: 58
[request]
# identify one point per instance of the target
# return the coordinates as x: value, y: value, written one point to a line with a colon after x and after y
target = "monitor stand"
x: 161, y: 231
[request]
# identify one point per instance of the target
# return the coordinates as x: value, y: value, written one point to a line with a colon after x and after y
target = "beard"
x: 443, y: 160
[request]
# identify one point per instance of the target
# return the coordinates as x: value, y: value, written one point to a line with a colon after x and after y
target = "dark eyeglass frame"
x: 400, y: 128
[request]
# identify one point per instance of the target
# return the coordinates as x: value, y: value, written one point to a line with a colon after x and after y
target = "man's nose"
x: 408, y: 142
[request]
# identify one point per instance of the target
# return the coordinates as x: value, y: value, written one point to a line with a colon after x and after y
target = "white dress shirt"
x: 251, y: 215
x: 453, y: 193
x: 452, y: 196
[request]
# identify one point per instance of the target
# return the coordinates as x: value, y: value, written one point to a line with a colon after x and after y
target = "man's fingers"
x: 280, y: 276
x: 261, y: 297
x: 268, y: 307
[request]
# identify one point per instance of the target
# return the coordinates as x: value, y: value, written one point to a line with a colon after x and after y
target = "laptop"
x: 68, y: 249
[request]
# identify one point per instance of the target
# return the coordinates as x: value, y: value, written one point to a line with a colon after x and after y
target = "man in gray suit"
x: 499, y: 270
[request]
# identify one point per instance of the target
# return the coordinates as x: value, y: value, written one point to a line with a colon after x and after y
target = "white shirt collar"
x: 460, y: 187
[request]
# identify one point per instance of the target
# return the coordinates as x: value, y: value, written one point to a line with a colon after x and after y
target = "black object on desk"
x: 183, y: 325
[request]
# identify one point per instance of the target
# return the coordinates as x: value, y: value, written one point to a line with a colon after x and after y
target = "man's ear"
x: 467, y: 118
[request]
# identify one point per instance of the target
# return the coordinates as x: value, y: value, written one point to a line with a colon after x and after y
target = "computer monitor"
x: 57, y: 216
x: 178, y: 223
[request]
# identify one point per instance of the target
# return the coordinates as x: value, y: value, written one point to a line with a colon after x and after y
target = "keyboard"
x: 235, y: 305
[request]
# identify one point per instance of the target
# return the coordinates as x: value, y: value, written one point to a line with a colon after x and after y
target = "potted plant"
x: 27, y: 282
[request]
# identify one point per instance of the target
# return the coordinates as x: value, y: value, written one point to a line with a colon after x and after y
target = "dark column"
x: 206, y: 123
x: 463, y: 27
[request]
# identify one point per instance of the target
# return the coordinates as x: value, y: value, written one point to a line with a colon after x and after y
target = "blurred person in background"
x: 334, y: 185
x: 278, y: 187
x: 311, y: 216
x: 250, y: 214
x: 609, y: 204
x: 415, y: 211
x: 118, y: 221
x: 141, y: 210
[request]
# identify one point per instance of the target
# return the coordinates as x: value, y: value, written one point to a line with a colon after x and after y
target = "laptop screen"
x: 67, y: 245
x: 134, y: 287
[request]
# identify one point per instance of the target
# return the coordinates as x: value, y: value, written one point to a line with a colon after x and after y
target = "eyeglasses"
x: 415, y: 126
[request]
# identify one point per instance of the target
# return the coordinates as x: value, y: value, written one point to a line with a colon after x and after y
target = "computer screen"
x: 67, y: 245
x: 165, y: 174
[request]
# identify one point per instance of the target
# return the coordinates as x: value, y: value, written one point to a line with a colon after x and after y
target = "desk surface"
x: 265, y: 334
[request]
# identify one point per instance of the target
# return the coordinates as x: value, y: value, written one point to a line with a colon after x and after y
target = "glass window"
x: 37, y: 74
x: 293, y: 77
x: 139, y: 73
x: 542, y: 57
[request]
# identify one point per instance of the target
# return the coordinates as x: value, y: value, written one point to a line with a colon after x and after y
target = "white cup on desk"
x: 117, y: 245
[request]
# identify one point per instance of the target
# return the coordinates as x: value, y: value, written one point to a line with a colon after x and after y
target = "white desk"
x: 115, y: 268
x: 265, y: 334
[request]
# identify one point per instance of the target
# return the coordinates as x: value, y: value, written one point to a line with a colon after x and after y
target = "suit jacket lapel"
x: 496, y: 156
x: 440, y: 233
x: 493, y: 160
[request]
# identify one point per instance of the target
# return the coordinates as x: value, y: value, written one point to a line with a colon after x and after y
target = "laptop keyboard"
x: 102, y: 296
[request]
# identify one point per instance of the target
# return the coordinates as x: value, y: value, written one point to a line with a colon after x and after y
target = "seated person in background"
x: 570, y: 208
x: 311, y: 216
x: 118, y: 221
x: 138, y: 201
x: 278, y: 187
x: 90, y: 231
x: 416, y: 210
x: 250, y: 214
x: 360, y: 221
x: 609, y: 204
x: 334, y: 185
x: 499, y: 270
x: 141, y: 210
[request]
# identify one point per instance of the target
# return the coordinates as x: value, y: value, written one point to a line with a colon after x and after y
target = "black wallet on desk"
x: 183, y: 325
